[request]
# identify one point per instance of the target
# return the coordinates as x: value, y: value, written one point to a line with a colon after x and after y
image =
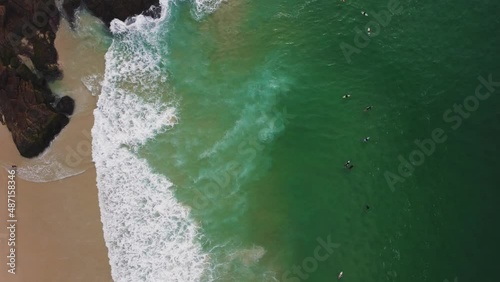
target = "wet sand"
x: 59, y: 234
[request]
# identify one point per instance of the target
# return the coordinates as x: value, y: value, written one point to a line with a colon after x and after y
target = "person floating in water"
x: 366, y: 139
x: 366, y: 209
x: 346, y: 96
x: 348, y: 163
x: 364, y: 13
x: 368, y: 108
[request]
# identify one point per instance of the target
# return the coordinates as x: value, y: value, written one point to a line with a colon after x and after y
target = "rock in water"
x: 107, y: 10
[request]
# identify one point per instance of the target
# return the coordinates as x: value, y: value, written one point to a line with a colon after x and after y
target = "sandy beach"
x: 58, y: 233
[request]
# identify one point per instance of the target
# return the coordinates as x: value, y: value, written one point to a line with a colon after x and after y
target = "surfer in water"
x: 366, y: 139
x: 348, y: 165
x: 346, y: 96
x: 364, y: 13
x: 368, y: 108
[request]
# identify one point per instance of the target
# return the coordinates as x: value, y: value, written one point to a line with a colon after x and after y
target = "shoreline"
x: 59, y: 231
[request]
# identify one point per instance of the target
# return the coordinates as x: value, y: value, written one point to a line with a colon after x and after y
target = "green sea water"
x: 263, y: 134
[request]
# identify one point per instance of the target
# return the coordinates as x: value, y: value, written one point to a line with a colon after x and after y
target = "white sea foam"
x: 203, y: 7
x: 47, y: 171
x: 93, y: 83
x: 249, y: 256
x: 259, y: 118
x: 234, y: 261
x: 46, y: 168
x: 51, y: 165
x: 150, y: 235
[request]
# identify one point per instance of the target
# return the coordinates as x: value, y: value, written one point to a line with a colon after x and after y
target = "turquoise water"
x: 261, y: 135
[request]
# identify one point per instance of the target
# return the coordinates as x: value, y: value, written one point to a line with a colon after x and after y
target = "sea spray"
x: 150, y: 235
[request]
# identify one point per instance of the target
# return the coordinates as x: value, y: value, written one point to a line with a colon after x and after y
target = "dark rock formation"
x: 107, y: 10
x: 28, y: 59
x: 28, y: 115
x: 66, y: 106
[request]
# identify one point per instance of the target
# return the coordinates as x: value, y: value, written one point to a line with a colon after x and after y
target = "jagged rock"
x: 27, y: 113
x: 28, y: 59
x: 69, y: 7
x: 154, y: 12
x: 107, y: 10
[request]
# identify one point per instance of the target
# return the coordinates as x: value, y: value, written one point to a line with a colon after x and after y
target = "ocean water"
x: 221, y: 134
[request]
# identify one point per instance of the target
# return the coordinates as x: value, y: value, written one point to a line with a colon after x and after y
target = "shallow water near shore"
x: 220, y: 140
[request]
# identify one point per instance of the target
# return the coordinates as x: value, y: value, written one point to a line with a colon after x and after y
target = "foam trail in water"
x: 149, y: 234
x: 50, y: 166
x: 47, y: 168
x: 203, y: 7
